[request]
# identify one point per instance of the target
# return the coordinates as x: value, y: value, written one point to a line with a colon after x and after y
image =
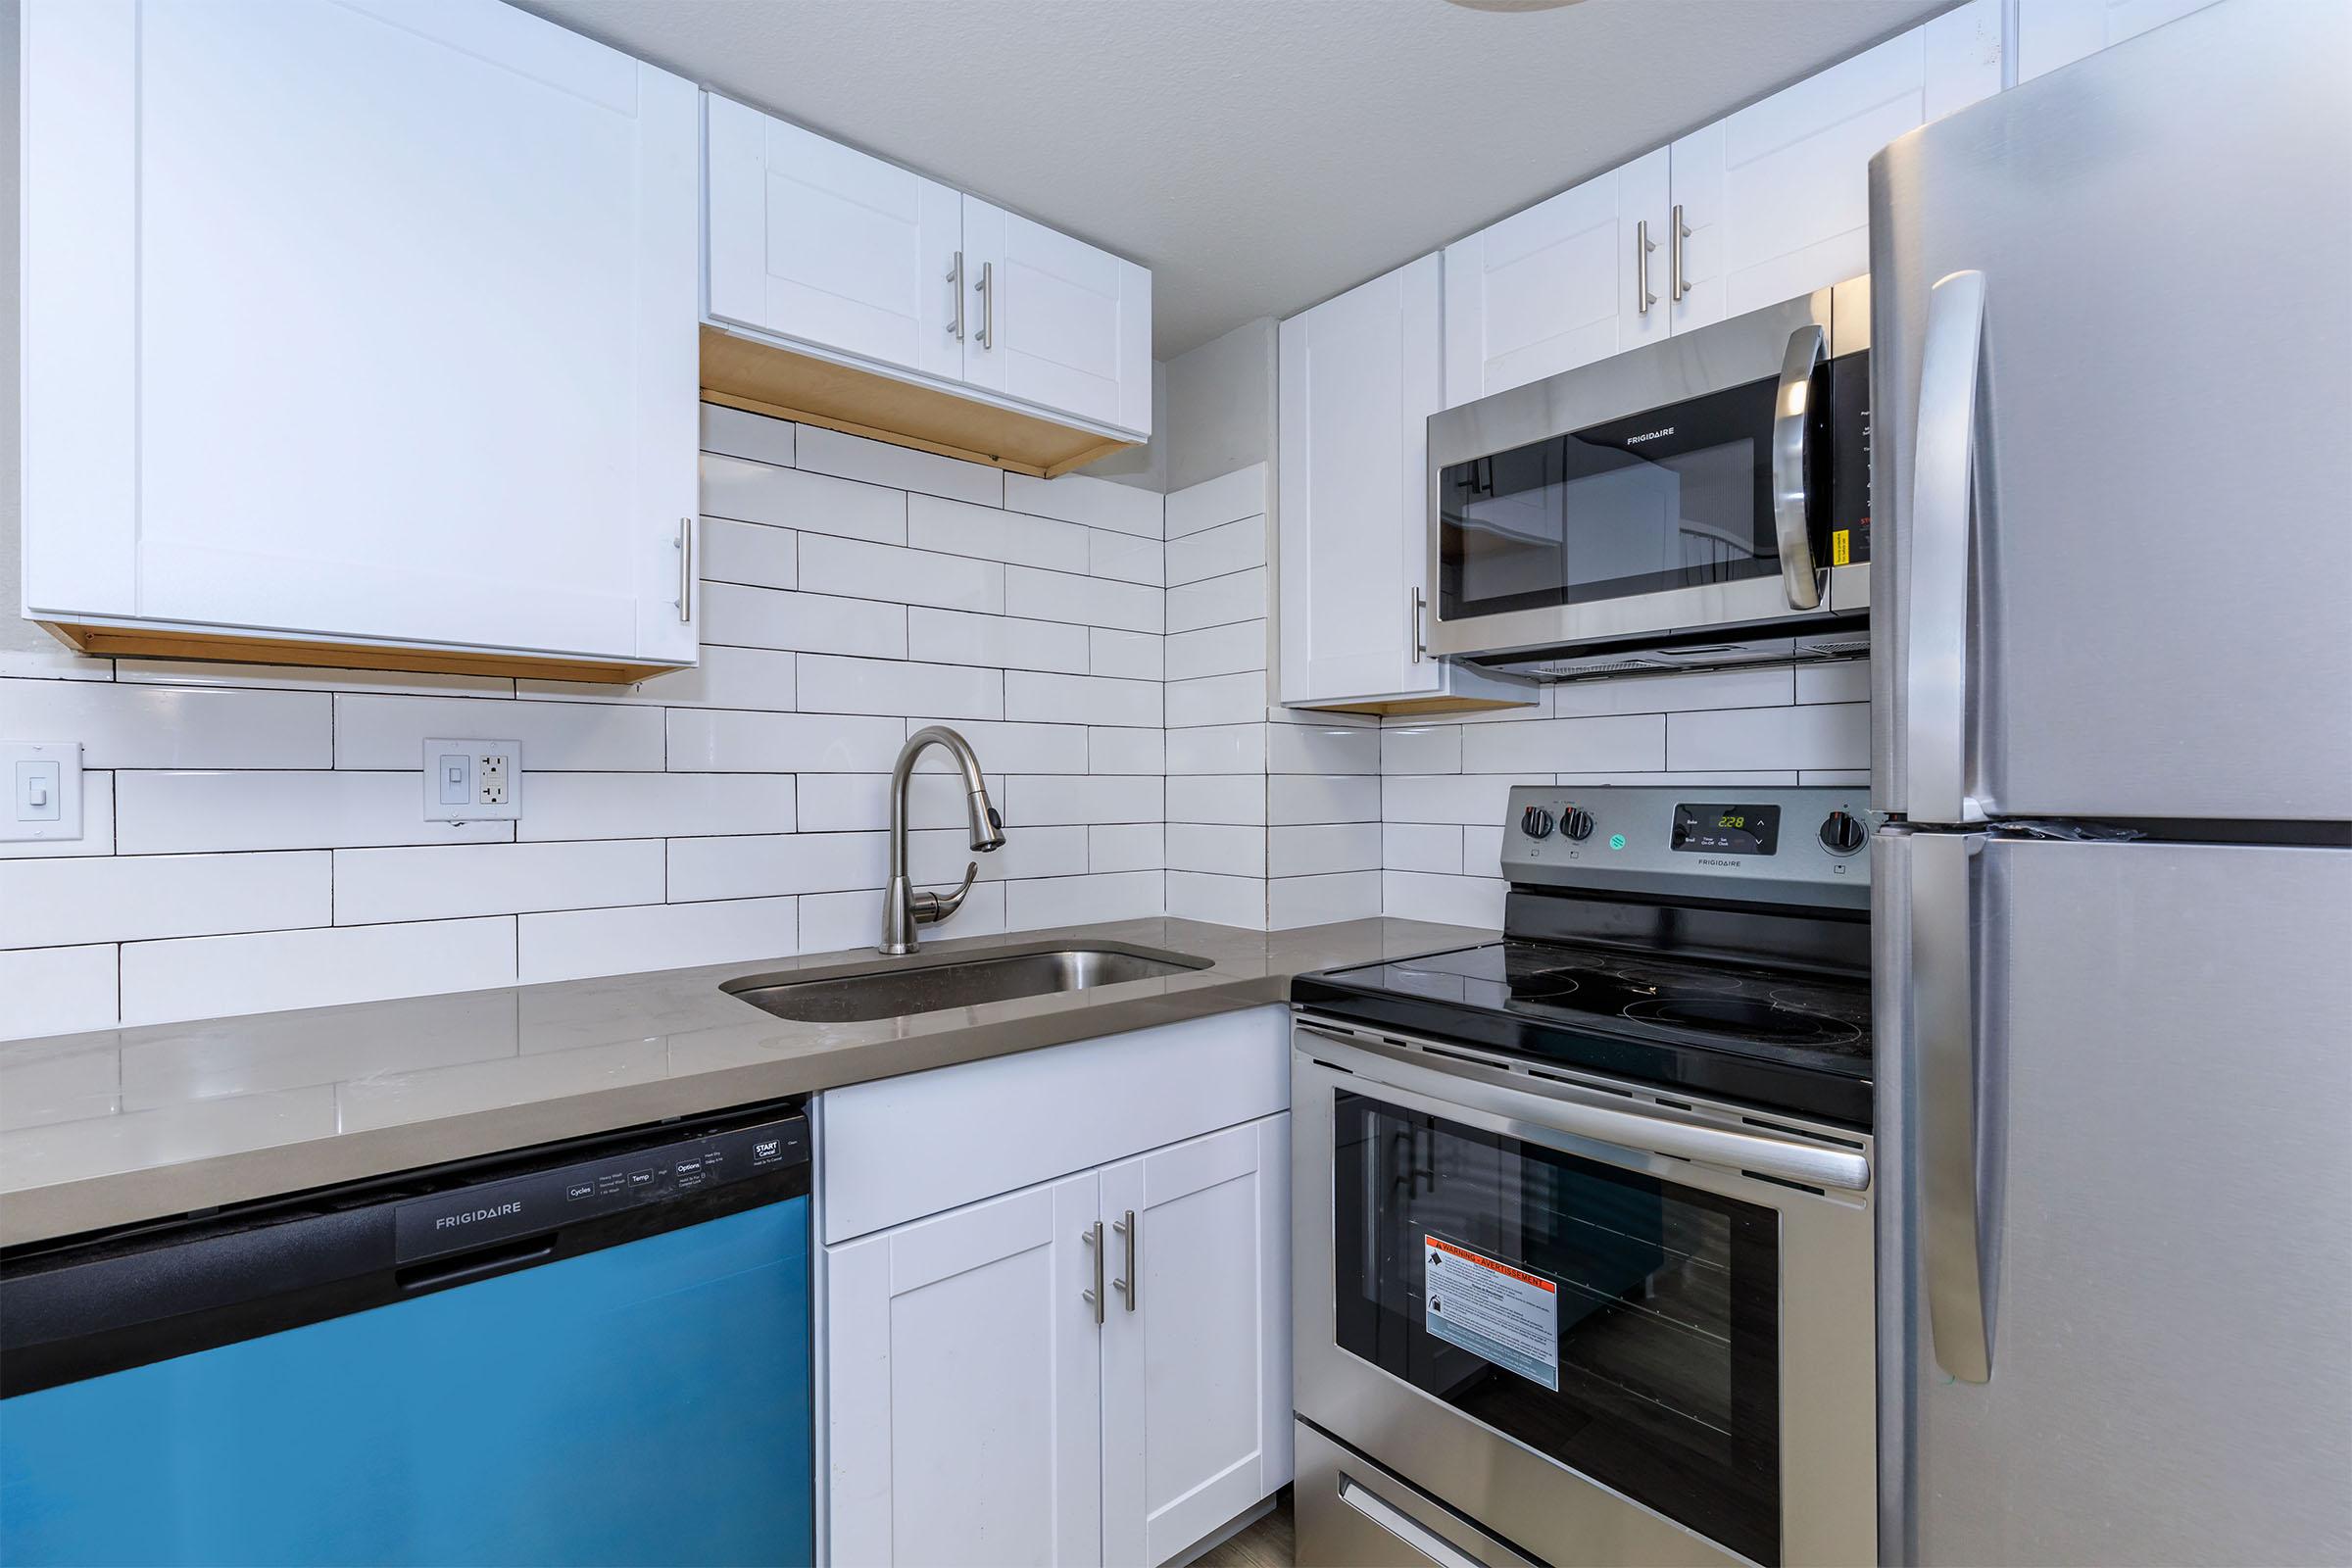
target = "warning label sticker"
x: 1490, y: 1308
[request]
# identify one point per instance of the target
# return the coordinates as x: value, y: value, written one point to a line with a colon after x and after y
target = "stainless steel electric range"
x: 1583, y: 1246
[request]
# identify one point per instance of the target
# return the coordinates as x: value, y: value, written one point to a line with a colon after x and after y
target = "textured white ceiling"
x: 1258, y: 154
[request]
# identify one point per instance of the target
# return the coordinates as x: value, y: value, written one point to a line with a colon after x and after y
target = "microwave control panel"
x: 1806, y: 846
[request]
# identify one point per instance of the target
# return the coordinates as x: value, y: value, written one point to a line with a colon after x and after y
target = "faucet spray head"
x: 988, y: 828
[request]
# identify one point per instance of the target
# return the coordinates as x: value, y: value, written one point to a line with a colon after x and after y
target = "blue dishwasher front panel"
x: 645, y: 1404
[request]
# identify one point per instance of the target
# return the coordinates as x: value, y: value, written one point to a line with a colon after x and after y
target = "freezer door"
x: 2112, y: 470
x: 2141, y: 1159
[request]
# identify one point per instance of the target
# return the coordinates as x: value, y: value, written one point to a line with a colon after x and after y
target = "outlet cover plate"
x: 473, y: 780
x: 44, y: 799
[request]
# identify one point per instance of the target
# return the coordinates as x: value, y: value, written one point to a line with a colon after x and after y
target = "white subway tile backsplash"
x: 878, y: 462
x: 834, y: 685
x: 1126, y: 751
x: 54, y: 991
x: 725, y: 740
x: 1080, y: 699
x: 1123, y: 556
x: 1084, y: 799
x: 1475, y: 900
x: 850, y: 803
x: 809, y: 503
x: 1225, y: 499
x: 1009, y: 748
x: 1458, y: 797
x: 60, y: 902
x: 1482, y: 851
x: 1322, y: 849
x: 727, y: 677
x: 1846, y: 681
x: 854, y: 568
x: 937, y: 857
x: 991, y: 533
x: 1219, y: 900
x: 1296, y: 798
x: 959, y: 637
x: 1214, y: 552
x: 776, y: 863
x: 1219, y: 748
x: 1226, y: 849
x: 390, y: 733
x: 1126, y: 655
x: 748, y: 553
x: 1421, y: 847
x: 1218, y: 601
x: 1669, y: 694
x: 1421, y: 748
x: 1556, y: 744
x: 1126, y: 847
x: 1238, y: 797
x: 1086, y: 601
x: 1082, y: 498
x: 452, y: 881
x: 1807, y: 736
x: 1321, y: 749
x: 1296, y: 900
x: 817, y: 623
x: 620, y: 806
x: 1084, y: 900
x: 53, y: 663
x: 578, y: 943
x: 123, y: 725
x: 1217, y: 650
x: 1217, y: 700
x: 172, y: 813
x: 739, y: 434
x: 212, y: 977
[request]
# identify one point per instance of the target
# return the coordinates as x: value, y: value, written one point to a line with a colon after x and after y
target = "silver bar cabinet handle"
x: 1943, y: 1012
x: 686, y: 569
x: 1414, y: 611
x: 987, y: 287
x: 955, y: 293
x: 1792, y: 521
x: 1942, y: 498
x: 1092, y: 1236
x: 1644, y: 299
x: 1675, y: 232
x: 1132, y: 1285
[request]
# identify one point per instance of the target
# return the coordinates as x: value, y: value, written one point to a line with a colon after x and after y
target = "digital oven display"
x: 1728, y: 829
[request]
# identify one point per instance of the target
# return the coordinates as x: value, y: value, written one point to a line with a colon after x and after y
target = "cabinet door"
x: 1568, y: 281
x: 2056, y: 32
x: 1055, y: 323
x: 963, y: 1386
x: 1195, y: 1345
x: 357, y: 320
x: 816, y: 241
x: 1360, y: 375
x: 1776, y: 197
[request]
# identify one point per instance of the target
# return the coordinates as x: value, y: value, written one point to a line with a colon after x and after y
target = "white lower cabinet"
x: 1092, y: 1370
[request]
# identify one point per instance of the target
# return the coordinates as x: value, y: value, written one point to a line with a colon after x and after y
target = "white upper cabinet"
x: 837, y: 253
x: 1569, y: 280
x: 813, y: 241
x: 1359, y: 376
x: 1776, y: 197
x: 2056, y: 32
x: 357, y: 324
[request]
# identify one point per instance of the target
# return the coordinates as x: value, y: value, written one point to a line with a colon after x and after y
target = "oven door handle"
x: 1540, y: 1108
x: 1792, y: 505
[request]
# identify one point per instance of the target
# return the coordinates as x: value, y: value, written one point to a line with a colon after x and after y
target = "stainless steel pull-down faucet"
x: 904, y: 909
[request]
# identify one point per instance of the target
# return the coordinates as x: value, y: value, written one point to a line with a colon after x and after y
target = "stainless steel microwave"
x: 1700, y: 501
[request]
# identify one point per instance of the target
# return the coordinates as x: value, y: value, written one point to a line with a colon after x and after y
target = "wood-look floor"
x: 1270, y: 1542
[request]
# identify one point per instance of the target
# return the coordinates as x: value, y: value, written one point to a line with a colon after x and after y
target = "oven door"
x: 1609, y: 1325
x: 1679, y: 487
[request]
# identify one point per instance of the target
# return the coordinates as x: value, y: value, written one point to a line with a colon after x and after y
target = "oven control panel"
x: 1807, y: 846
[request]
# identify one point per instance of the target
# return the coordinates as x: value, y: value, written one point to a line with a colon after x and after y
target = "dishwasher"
x: 595, y: 1351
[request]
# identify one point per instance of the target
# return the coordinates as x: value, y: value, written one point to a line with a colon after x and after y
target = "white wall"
x: 256, y: 835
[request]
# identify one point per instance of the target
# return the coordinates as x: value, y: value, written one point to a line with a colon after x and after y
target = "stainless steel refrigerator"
x: 2112, y: 699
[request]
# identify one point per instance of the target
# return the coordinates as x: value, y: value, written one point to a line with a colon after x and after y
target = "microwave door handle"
x: 1935, y: 629
x: 1791, y: 507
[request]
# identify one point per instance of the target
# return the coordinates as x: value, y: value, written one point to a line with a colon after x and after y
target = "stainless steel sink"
x: 902, y: 988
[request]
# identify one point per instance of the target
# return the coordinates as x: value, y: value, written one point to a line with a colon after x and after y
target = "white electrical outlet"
x: 44, y: 793
x: 473, y: 780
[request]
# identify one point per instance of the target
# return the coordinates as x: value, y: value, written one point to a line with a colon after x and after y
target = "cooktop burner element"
x: 1730, y: 963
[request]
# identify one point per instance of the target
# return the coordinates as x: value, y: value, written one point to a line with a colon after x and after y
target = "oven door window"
x: 1675, y: 498
x: 1654, y: 1309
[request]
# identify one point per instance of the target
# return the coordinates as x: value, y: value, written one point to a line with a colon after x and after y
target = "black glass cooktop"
x: 1798, y: 1042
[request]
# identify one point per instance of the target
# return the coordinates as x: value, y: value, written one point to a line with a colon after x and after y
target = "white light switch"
x: 44, y: 792
x: 473, y: 781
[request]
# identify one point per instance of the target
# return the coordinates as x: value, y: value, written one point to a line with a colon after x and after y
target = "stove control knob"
x: 1842, y: 833
x: 1534, y: 822
x: 1576, y: 824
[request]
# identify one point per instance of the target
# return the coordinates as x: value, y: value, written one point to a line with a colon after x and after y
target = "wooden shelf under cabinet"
x: 120, y: 642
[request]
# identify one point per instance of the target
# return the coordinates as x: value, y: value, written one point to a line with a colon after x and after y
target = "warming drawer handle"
x: 1565, y: 1109
x: 1404, y: 1527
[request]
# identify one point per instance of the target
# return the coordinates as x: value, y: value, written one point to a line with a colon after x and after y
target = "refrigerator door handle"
x: 1792, y: 509
x: 1942, y: 493
x: 1942, y: 964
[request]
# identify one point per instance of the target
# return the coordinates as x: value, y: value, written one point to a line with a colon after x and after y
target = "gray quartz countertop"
x: 120, y: 1126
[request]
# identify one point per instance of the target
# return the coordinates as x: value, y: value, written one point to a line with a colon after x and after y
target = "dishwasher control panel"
x: 544, y: 1200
